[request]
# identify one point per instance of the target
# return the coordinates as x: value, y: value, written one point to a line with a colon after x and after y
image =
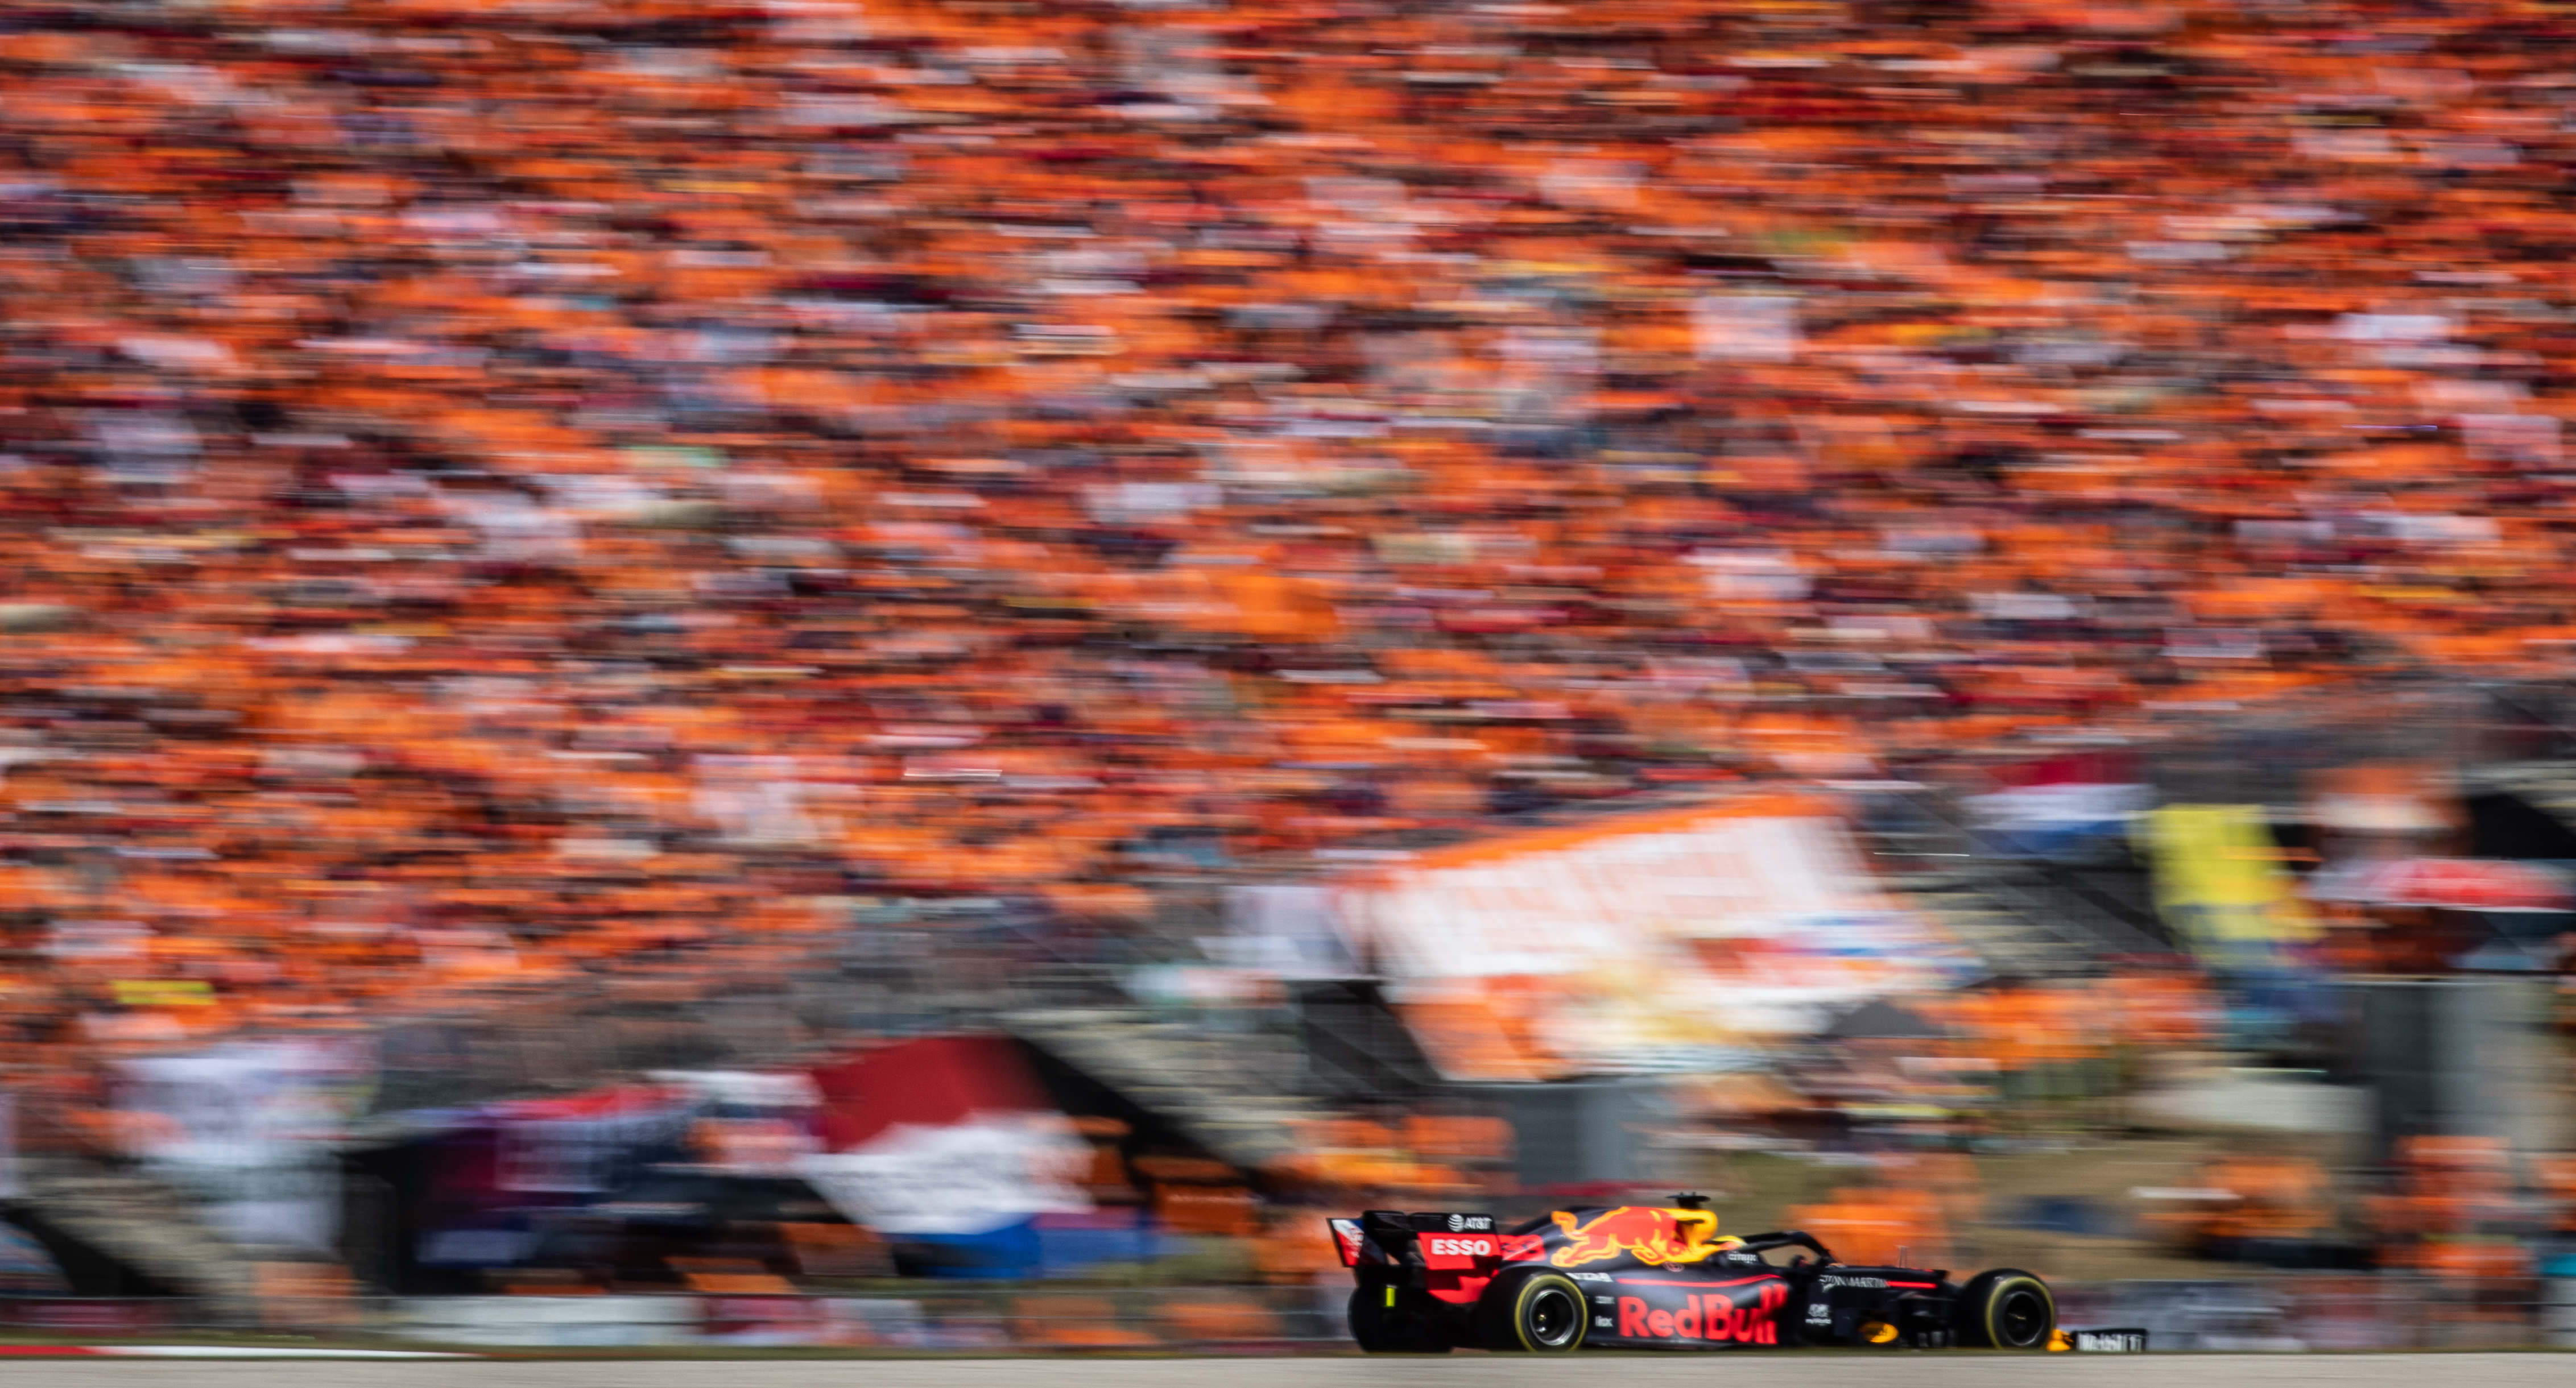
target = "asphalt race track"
x: 1594, y: 1371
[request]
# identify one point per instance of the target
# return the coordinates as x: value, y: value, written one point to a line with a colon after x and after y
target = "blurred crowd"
x: 505, y: 492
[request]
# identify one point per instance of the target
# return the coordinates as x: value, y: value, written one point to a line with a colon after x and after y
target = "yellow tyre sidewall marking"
x: 1995, y: 1304
x: 1520, y: 1314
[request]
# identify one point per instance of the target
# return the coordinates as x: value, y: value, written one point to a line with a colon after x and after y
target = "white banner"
x: 1656, y: 942
x: 963, y: 1178
x: 248, y: 1128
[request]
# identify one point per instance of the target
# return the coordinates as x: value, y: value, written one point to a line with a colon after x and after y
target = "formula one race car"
x: 1642, y: 1277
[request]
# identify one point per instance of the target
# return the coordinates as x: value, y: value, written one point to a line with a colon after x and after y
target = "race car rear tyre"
x: 1379, y: 1328
x: 2005, y: 1309
x: 1540, y: 1313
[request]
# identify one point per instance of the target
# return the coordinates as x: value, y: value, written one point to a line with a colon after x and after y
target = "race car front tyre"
x: 1379, y: 1326
x: 2005, y: 1309
x: 1540, y: 1313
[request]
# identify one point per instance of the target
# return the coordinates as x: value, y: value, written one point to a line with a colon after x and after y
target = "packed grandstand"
x: 498, y: 494
x: 774, y: 451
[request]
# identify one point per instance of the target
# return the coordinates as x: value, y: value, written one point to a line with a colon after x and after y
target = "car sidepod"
x: 1726, y: 1309
x: 1873, y: 1307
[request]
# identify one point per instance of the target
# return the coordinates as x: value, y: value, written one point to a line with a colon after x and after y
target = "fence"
x: 985, y: 1318
x: 2361, y: 1311
x: 903, y: 968
x: 912, y: 966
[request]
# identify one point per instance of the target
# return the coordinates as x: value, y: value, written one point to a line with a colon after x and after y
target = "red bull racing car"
x: 1647, y: 1277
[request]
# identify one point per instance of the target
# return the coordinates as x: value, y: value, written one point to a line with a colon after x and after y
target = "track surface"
x: 1479, y: 1371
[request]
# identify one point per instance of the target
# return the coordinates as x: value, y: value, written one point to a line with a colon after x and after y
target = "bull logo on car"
x: 1650, y: 1235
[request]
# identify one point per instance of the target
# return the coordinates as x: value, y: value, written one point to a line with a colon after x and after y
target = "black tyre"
x: 1541, y: 1313
x: 2005, y: 1309
x: 1380, y: 1327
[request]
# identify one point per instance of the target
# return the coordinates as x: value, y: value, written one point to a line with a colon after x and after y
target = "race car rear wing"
x: 1435, y: 1241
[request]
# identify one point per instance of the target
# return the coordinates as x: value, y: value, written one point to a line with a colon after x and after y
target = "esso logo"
x: 1462, y: 1248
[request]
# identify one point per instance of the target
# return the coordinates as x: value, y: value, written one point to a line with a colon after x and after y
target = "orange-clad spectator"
x: 1885, y: 1225
x: 2452, y: 1211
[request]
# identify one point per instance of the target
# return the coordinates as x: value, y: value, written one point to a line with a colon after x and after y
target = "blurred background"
x: 928, y: 672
